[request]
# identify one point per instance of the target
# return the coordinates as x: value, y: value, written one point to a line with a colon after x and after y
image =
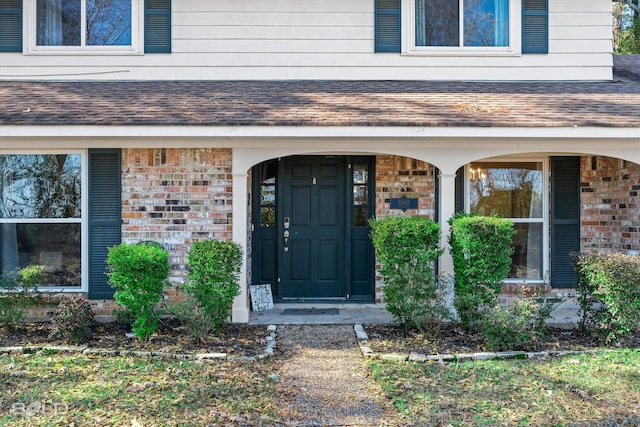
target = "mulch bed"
x: 452, y: 339
x: 235, y: 339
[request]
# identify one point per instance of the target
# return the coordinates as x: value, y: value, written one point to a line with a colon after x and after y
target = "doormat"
x: 310, y: 311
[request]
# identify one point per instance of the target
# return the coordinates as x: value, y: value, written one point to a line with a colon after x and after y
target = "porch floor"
x: 565, y: 315
x: 322, y: 314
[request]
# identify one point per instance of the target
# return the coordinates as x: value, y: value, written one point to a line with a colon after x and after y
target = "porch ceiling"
x: 327, y: 103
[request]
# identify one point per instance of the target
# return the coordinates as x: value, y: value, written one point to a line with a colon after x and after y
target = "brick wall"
x: 610, y: 205
x: 176, y: 196
x: 401, y: 176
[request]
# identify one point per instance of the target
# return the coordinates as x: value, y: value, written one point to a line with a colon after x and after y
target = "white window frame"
x: 83, y: 221
x: 31, y: 37
x: 409, y: 36
x: 545, y: 211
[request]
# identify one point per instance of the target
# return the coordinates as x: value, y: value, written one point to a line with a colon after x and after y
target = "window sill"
x: 82, y: 52
x: 462, y: 52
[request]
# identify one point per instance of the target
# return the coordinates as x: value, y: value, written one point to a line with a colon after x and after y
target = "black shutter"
x: 157, y: 26
x: 105, y: 214
x: 10, y: 25
x: 459, y: 202
x: 565, y: 219
x: 535, y: 26
x: 387, y: 26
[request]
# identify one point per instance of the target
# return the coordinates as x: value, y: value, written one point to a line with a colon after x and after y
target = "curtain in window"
x: 50, y: 23
x: 501, y: 22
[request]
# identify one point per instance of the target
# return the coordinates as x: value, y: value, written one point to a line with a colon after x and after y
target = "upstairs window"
x: 461, y: 27
x: 86, y: 26
x: 462, y: 23
x: 84, y: 23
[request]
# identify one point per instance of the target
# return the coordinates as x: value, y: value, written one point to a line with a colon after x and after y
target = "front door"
x: 310, y: 237
x: 312, y: 220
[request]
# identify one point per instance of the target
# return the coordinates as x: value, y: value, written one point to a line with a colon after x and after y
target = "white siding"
x: 325, y: 39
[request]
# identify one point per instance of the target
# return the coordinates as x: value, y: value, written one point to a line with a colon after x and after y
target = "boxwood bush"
x: 408, y: 248
x: 138, y: 273
x: 214, y: 271
x: 481, y: 251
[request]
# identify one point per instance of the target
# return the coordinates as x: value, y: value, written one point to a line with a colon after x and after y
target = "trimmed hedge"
x: 481, y: 251
x: 408, y: 249
x: 214, y: 281
x: 139, y: 273
x: 609, y: 293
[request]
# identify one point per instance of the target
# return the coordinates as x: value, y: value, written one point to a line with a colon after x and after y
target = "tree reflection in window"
x: 360, y: 194
x: 513, y: 190
x: 268, y: 183
x: 40, y: 215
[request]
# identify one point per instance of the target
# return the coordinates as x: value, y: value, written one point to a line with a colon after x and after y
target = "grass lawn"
x: 559, y: 391
x: 56, y: 389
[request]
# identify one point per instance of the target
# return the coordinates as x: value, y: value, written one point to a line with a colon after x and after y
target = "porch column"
x: 447, y: 205
x: 240, y: 310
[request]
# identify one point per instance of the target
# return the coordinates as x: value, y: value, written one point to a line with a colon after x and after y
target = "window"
x: 268, y: 185
x: 86, y: 26
x: 515, y: 190
x: 462, y: 23
x: 41, y: 211
x: 83, y: 23
x: 361, y: 194
x: 461, y: 26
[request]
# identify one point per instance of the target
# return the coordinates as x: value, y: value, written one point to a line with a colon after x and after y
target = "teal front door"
x: 310, y: 222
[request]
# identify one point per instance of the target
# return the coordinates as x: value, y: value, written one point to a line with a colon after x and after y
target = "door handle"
x: 286, y: 241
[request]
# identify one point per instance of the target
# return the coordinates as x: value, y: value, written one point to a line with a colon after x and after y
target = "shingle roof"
x: 327, y: 103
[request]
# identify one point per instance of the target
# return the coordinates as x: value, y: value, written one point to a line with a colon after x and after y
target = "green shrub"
x: 73, y: 319
x: 214, y: 269
x: 408, y: 248
x: 517, y: 324
x: 481, y: 251
x: 139, y: 273
x: 17, y: 292
x: 609, y: 293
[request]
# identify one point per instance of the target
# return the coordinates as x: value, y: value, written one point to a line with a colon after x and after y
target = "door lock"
x: 286, y: 241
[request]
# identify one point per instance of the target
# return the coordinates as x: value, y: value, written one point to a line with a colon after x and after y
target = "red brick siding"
x: 610, y: 205
x: 401, y: 176
x: 176, y: 196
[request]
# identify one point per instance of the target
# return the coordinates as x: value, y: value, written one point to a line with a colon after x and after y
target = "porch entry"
x: 310, y: 228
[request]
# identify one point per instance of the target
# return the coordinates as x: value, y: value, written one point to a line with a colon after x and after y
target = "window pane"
x: 509, y: 189
x: 360, y: 195
x: 486, y: 22
x: 58, y: 22
x: 40, y: 186
x: 437, y: 23
x: 360, y: 174
x: 267, y: 216
x: 56, y: 246
x: 108, y: 22
x: 360, y: 216
x: 268, y: 195
x: 527, y: 251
